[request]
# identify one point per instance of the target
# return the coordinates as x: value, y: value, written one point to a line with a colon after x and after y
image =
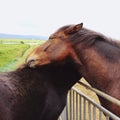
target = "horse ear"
x: 74, y: 29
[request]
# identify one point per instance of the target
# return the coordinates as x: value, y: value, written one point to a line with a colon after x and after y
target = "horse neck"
x: 25, y: 73
x: 64, y: 77
x: 26, y: 78
x: 59, y: 76
x: 90, y: 63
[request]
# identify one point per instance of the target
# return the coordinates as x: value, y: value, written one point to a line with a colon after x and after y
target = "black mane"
x: 89, y: 37
x: 85, y: 38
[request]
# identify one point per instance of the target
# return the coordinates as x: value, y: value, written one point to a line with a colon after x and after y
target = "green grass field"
x: 19, y: 41
x: 13, y: 52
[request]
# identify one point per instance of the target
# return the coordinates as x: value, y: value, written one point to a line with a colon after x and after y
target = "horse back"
x: 6, y: 98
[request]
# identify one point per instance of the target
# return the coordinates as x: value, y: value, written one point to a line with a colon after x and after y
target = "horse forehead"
x: 37, y: 50
x: 49, y: 44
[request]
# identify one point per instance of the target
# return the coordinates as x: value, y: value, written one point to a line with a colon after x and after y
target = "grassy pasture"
x: 9, y: 53
x: 14, y: 51
x: 20, y: 41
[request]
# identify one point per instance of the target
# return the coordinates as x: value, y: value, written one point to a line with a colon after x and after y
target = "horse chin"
x: 32, y: 64
x: 38, y: 64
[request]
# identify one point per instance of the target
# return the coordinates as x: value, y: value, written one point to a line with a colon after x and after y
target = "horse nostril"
x: 29, y: 62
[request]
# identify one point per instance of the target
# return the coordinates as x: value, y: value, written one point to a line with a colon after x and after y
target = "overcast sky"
x: 43, y: 17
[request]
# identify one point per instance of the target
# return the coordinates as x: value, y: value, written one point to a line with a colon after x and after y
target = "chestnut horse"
x: 35, y: 93
x: 96, y: 57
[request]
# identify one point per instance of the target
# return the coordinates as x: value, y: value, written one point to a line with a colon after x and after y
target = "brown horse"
x: 96, y: 57
x: 35, y: 93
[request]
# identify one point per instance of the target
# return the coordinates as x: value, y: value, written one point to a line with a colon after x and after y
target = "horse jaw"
x: 33, y: 60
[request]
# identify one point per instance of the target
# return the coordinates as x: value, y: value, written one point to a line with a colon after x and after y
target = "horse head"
x: 58, y: 49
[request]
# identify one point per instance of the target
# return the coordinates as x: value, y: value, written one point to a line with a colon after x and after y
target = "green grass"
x: 19, y: 41
x: 22, y: 59
x: 13, y: 52
x: 9, y: 53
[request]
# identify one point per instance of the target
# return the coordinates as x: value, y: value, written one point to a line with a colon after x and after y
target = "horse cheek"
x: 44, y: 59
x: 75, y: 57
x: 58, y: 54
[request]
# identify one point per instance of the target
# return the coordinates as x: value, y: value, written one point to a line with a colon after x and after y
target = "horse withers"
x: 96, y: 57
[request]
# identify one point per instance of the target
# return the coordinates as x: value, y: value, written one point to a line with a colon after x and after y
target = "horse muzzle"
x: 31, y: 63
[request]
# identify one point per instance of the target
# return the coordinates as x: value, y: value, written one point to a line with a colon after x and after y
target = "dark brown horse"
x: 96, y: 57
x: 35, y: 93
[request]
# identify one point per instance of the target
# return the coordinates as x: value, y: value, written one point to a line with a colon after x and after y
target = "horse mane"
x: 89, y: 37
x: 107, y: 47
